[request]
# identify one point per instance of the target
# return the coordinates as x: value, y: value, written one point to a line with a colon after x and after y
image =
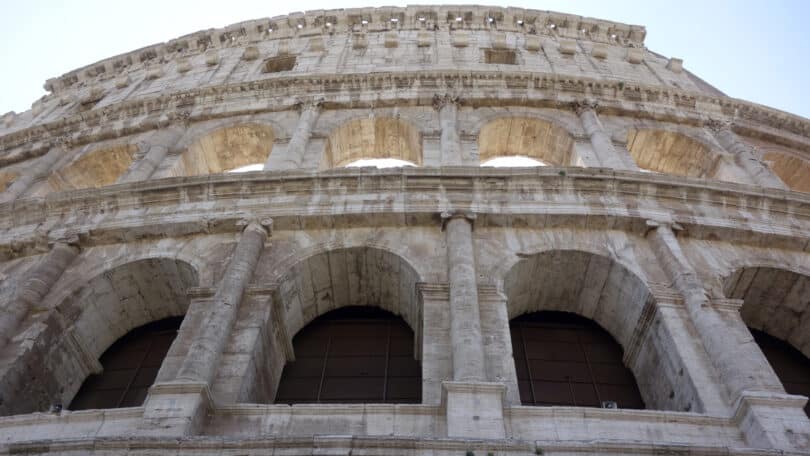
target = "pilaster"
x: 742, y: 368
x: 157, y: 148
x: 40, y: 170
x: 447, y: 106
x: 744, y: 154
x: 601, y: 142
x: 296, y: 148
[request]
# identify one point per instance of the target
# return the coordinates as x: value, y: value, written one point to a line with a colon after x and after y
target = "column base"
x: 773, y: 420
x: 176, y: 409
x: 474, y: 409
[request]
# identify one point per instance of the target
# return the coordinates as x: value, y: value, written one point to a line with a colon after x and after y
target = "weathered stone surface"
x: 671, y: 215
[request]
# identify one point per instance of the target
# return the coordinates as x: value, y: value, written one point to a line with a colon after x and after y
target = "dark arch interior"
x: 564, y: 359
x: 130, y: 367
x: 353, y: 355
x: 790, y: 365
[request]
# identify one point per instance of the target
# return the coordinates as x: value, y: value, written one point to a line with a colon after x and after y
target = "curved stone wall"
x: 673, y: 216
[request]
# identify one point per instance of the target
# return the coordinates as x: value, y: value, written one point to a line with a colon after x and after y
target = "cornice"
x: 587, y: 198
x: 282, y: 93
x: 328, y: 22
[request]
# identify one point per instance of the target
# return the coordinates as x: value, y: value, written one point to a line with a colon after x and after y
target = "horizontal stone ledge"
x: 584, y: 198
x: 375, y: 445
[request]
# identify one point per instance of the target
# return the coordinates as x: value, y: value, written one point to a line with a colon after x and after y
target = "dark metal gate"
x: 564, y: 359
x: 790, y: 365
x: 350, y: 355
x: 130, y: 367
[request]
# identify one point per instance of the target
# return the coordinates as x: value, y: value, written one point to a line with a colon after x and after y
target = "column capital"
x: 718, y: 125
x: 67, y: 239
x: 311, y: 103
x: 581, y: 106
x: 440, y: 101
x: 264, y: 226
x: 450, y: 215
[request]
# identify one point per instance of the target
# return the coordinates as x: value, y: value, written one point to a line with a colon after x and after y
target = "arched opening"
x: 378, y: 282
x: 226, y: 149
x: 789, y: 364
x: 353, y: 355
x: 669, y: 152
x: 373, y: 138
x: 526, y: 137
x: 792, y: 170
x: 6, y: 179
x: 597, y: 288
x: 514, y: 161
x: 380, y: 163
x: 564, y: 359
x: 94, y: 169
x: 130, y: 366
x: 775, y: 308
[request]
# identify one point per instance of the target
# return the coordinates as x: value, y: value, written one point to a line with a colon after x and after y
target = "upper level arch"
x: 96, y: 168
x: 530, y: 137
x: 373, y: 138
x: 6, y: 179
x: 791, y: 169
x: 225, y: 149
x: 671, y: 152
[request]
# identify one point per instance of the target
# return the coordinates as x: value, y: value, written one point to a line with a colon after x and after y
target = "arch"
x: 94, y: 169
x: 352, y: 354
x: 528, y: 137
x: 373, y: 137
x: 590, y: 285
x: 598, y: 288
x: 670, y: 152
x: 564, y: 359
x: 775, y: 300
x: 114, y: 302
x: 353, y: 276
x: 226, y: 149
x: 792, y: 170
x: 6, y: 179
x: 130, y: 366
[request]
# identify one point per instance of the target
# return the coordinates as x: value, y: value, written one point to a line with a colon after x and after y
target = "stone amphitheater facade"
x: 671, y: 215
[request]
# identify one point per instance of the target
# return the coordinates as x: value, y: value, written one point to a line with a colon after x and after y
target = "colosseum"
x: 638, y: 286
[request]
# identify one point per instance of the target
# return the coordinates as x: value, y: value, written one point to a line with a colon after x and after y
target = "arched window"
x: 353, y: 354
x: 564, y: 359
x: 130, y: 367
x: 790, y: 365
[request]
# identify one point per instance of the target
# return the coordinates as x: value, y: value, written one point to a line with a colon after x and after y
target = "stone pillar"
x: 448, y: 122
x: 38, y: 282
x: 297, y: 147
x: 745, y: 155
x: 601, y: 142
x: 473, y: 406
x: 465, y: 320
x: 762, y: 409
x: 204, y: 352
x: 178, y: 407
x: 497, y: 339
x: 41, y: 168
x: 159, y: 145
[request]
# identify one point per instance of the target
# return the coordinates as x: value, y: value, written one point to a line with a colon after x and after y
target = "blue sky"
x: 754, y: 50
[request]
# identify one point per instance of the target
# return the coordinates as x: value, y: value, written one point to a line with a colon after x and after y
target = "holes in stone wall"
x: 373, y: 138
x: 226, y: 149
x: 500, y: 56
x: 278, y: 64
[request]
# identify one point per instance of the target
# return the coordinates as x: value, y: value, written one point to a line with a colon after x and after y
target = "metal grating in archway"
x: 564, y: 359
x: 790, y: 365
x: 353, y: 355
x: 130, y: 367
